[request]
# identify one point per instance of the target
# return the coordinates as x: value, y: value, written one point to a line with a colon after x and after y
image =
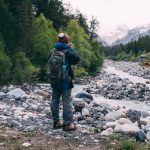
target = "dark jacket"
x: 66, y: 85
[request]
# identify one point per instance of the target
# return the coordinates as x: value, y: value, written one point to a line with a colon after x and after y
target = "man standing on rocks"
x: 60, y: 76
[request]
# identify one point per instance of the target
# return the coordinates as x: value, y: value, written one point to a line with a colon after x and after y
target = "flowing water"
x: 140, y: 106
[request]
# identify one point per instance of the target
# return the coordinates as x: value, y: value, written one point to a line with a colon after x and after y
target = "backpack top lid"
x: 62, y: 37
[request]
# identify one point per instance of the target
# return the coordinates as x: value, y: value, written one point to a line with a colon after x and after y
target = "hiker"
x: 61, y: 75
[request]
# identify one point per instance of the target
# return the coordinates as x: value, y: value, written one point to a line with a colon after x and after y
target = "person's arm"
x: 72, y: 56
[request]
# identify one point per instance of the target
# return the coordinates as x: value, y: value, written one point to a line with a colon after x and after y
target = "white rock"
x: 126, y: 128
x: 17, y: 93
x: 147, y: 128
x: 2, y: 94
x: 34, y: 107
x: 114, y: 115
x: 26, y: 144
x: 47, y: 110
x: 124, y: 121
x: 85, y: 112
x: 107, y: 132
x: 145, y: 121
x: 111, y: 124
x: 24, y: 105
x: 148, y: 136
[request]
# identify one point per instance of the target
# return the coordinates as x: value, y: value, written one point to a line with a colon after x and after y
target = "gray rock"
x: 147, y: 128
x: 148, y: 136
x: 78, y: 106
x: 16, y: 124
x: 140, y: 136
x: 134, y: 115
x: 84, y: 95
x: 17, y: 93
x: 2, y: 94
x: 89, y: 120
x: 144, y: 114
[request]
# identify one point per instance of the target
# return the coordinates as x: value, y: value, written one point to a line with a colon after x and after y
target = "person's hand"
x: 71, y: 45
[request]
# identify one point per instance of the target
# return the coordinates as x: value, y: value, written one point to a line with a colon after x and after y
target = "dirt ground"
x: 12, y: 140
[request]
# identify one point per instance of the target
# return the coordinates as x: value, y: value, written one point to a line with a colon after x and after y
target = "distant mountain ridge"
x: 111, y: 35
x: 134, y: 34
x: 104, y: 43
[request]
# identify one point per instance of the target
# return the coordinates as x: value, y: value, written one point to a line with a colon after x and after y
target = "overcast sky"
x: 113, y: 13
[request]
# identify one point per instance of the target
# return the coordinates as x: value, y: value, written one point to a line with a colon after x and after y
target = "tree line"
x: 129, y: 51
x: 28, y: 31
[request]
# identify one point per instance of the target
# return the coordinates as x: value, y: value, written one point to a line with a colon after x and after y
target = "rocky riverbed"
x: 100, y: 105
x: 133, y: 68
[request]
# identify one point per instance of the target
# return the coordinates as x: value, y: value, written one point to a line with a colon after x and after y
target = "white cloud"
x: 113, y: 13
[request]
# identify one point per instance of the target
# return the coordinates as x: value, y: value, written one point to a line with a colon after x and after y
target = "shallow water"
x: 136, y: 105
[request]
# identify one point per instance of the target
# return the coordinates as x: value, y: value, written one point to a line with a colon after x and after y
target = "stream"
x: 136, y: 105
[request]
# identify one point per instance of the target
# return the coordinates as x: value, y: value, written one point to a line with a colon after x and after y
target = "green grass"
x: 120, y: 142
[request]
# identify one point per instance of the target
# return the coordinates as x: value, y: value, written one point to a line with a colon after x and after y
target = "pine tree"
x: 22, y: 13
x: 93, y: 28
x: 43, y: 39
x: 54, y: 10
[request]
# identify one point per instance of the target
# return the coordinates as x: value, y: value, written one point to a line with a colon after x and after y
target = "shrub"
x: 22, y: 70
x: 120, y: 142
x: 5, y: 65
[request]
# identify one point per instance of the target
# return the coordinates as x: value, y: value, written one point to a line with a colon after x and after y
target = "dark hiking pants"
x: 67, y: 109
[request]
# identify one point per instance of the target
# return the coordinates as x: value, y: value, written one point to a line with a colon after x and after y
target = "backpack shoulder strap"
x: 51, y: 52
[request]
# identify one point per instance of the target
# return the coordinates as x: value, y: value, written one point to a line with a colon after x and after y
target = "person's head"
x: 62, y: 37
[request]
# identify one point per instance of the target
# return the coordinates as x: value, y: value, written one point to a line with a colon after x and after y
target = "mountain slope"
x: 104, y: 43
x: 134, y: 34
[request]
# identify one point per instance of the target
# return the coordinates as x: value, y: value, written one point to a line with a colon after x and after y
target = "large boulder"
x: 17, y: 93
x: 85, y: 96
x: 114, y: 115
x: 126, y: 128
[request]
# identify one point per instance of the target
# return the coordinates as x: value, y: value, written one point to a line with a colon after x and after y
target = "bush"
x: 120, y: 142
x: 147, y: 57
x: 79, y: 71
x: 5, y: 65
x: 22, y: 70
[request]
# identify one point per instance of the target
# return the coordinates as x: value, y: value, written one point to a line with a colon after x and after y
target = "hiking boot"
x: 70, y: 127
x: 58, y: 124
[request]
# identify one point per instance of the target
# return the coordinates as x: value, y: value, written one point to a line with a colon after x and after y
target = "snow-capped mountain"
x: 134, y: 34
x: 111, y: 35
